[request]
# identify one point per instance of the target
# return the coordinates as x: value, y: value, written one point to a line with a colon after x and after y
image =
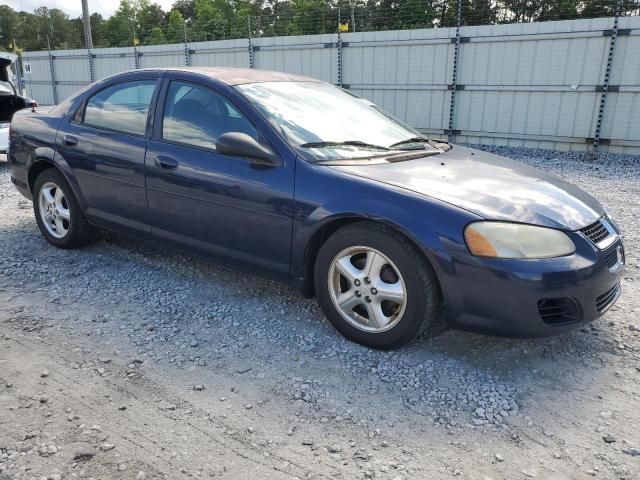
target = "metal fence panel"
x: 406, y: 72
x: 38, y: 84
x: 537, y: 85
x: 622, y: 116
x: 71, y: 70
x: 312, y: 55
x: 161, y: 56
x: 622, y: 119
x: 109, y: 61
x: 222, y: 53
x: 72, y: 66
x: 532, y: 84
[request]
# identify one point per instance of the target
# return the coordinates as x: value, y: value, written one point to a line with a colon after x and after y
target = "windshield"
x: 328, y: 122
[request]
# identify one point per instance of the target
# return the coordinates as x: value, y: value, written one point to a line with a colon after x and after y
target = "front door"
x: 218, y: 205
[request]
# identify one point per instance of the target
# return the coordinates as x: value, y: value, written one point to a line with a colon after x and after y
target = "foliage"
x: 175, y: 27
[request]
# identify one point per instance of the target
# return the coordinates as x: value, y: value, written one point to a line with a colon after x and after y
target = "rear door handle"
x: 70, y: 140
x: 166, y: 163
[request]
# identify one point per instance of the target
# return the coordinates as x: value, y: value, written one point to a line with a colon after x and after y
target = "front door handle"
x: 166, y: 163
x: 70, y: 140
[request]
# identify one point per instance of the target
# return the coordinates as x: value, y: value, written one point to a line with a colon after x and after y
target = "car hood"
x: 488, y: 185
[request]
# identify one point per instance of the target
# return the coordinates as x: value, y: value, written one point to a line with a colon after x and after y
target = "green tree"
x: 607, y: 8
x: 482, y: 12
x: 9, y: 21
x: 119, y: 32
x: 209, y: 23
x: 135, y: 19
x: 309, y: 17
x: 123, y: 26
x: 149, y: 17
x: 519, y: 11
x: 415, y: 14
x: 557, y: 10
x: 187, y: 9
x: 54, y: 27
x: 156, y: 37
x: 175, y: 27
x: 98, y: 26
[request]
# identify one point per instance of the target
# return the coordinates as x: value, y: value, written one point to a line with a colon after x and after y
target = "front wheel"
x: 375, y: 287
x: 57, y: 211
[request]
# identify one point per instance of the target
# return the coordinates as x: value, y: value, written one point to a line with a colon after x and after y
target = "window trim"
x: 150, y: 112
x: 160, y: 109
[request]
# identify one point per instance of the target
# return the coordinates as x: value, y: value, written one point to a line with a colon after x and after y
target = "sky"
x: 74, y: 7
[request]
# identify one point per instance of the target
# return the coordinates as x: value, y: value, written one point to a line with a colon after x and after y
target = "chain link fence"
x: 141, y: 23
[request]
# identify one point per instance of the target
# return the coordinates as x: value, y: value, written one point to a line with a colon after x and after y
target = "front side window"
x: 123, y: 107
x: 195, y: 115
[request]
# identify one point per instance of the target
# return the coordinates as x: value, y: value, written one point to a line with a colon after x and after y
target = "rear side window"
x: 195, y: 115
x: 123, y: 107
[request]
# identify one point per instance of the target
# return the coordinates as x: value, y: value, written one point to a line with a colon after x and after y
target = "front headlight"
x: 514, y: 240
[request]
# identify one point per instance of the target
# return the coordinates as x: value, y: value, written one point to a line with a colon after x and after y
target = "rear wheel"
x: 374, y: 286
x: 57, y: 211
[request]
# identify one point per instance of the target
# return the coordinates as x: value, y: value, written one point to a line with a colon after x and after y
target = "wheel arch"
x: 37, y: 167
x: 42, y: 163
x: 332, y: 225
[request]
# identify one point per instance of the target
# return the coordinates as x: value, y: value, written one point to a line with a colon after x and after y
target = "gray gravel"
x: 455, y: 405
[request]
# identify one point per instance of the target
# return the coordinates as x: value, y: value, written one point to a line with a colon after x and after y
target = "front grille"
x: 558, y: 311
x: 604, y: 301
x: 596, y: 232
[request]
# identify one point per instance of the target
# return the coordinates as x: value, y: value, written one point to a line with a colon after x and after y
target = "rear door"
x: 105, y: 144
x: 218, y: 205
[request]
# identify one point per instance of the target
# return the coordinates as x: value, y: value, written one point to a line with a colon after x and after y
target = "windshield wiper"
x: 350, y: 143
x: 410, y: 140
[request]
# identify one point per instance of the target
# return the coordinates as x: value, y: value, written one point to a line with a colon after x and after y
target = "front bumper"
x: 532, y: 298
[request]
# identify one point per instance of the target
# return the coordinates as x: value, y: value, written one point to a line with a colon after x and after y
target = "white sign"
x: 26, y: 66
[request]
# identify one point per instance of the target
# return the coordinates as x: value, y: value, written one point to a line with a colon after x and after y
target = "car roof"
x: 238, y: 76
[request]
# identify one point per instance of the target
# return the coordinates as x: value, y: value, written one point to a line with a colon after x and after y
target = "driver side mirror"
x: 238, y: 144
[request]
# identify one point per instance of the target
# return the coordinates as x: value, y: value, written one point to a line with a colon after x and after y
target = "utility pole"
x: 86, y: 20
x: 339, y: 45
x: 352, y: 4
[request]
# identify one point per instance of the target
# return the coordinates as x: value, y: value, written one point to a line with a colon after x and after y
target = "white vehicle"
x: 10, y: 100
x: 4, y: 138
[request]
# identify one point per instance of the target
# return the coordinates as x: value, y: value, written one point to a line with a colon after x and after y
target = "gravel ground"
x: 122, y: 361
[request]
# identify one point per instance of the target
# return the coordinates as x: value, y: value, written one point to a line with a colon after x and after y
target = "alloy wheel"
x: 367, y: 289
x: 54, y: 210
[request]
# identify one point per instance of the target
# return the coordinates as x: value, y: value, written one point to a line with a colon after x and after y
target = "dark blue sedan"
x: 302, y: 181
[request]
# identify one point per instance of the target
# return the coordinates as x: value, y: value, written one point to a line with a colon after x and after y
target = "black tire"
x: 422, y: 309
x: 79, y: 230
